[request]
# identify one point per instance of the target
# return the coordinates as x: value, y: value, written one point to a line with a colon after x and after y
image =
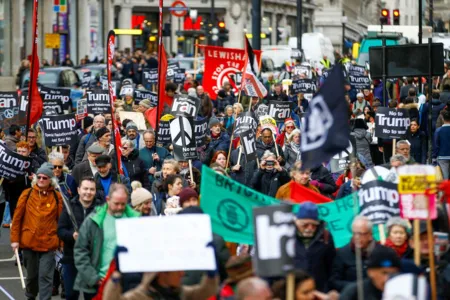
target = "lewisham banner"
x: 222, y: 65
x: 230, y: 206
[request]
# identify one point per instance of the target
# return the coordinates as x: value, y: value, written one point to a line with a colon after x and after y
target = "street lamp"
x: 344, y: 20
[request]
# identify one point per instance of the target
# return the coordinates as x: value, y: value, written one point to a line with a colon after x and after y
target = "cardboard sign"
x: 302, y: 70
x: 168, y: 244
x: 379, y: 201
x: 126, y: 90
x: 59, y: 130
x: 105, y: 86
x: 441, y: 243
x: 81, y: 109
x: 182, y: 132
x: 137, y: 117
x: 391, y: 123
x: 356, y: 70
x: 359, y: 82
x: 201, y: 130
x: 341, y: 161
x: 180, y: 76
x: 172, y: 69
x: 262, y: 110
x: 307, y: 86
x: 140, y: 95
x: 245, y: 122
x: 9, y: 109
x: 280, y: 110
x: 185, y: 106
x: 150, y: 76
x: 86, y: 80
x: 248, y: 142
x: 274, y: 240
x: 164, y: 137
x: 98, y: 102
x: 12, y: 164
x: 53, y: 99
x: 268, y: 122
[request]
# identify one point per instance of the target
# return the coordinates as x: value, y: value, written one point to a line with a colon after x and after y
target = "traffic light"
x: 223, y: 32
x: 396, y: 14
x: 384, y: 19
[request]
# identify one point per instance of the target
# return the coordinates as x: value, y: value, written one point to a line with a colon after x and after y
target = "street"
x: 9, y: 274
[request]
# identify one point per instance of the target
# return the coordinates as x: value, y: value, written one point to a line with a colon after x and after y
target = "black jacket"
x: 419, y: 145
x: 65, y: 226
x: 41, y: 156
x: 82, y: 170
x: 245, y: 173
x: 317, y: 258
x: 280, y: 97
x: 136, y: 169
x: 370, y: 291
x: 114, y: 179
x: 269, y: 183
x: 261, y: 148
x: 322, y: 175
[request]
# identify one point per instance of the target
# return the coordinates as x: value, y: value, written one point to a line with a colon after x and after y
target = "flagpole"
x: 160, y: 49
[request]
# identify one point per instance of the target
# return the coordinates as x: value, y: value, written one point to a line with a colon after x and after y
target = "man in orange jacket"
x: 33, y: 229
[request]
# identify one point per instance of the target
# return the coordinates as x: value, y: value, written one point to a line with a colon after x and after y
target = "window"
x: 5, y: 38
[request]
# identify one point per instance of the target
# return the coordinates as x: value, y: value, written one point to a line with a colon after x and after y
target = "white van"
x: 315, y: 46
x: 278, y: 53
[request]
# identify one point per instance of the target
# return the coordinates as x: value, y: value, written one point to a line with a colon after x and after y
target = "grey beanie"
x: 46, y: 169
x: 213, y: 121
x: 131, y: 125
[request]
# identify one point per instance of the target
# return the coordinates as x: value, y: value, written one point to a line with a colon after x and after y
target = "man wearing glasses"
x: 314, y: 247
x: 34, y: 229
x: 344, y: 264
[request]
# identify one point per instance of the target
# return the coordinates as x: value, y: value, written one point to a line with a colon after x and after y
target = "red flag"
x: 162, y: 72
x: 35, y: 105
x: 110, y: 46
x: 300, y: 194
x: 250, y: 83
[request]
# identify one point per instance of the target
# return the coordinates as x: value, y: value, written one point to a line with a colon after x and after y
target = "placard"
x: 182, y: 132
x: 280, y: 110
x: 356, y: 70
x: 391, y: 123
x: 268, y: 122
x: 149, y: 76
x: 137, y: 117
x: 86, y: 80
x: 201, y: 129
x: 98, y: 102
x: 81, y: 109
x: 303, y: 86
x: 126, y: 90
x: 341, y: 161
x: 171, y: 243
x: 171, y: 70
x: 379, y: 201
x: 180, y: 76
x: 105, y: 86
x: 9, y: 109
x: 140, y: 95
x: 185, y: 106
x: 12, y: 164
x: 275, y: 233
x: 248, y: 142
x: 359, y: 82
x: 59, y: 130
x: 53, y: 99
x: 245, y: 122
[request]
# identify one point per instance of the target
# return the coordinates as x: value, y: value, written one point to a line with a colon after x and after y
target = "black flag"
x: 325, y: 130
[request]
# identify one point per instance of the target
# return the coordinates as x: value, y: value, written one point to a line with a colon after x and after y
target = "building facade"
x: 409, y: 10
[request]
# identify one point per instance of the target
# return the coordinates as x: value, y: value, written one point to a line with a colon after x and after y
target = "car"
x: 187, y: 63
x: 96, y: 70
x: 268, y: 68
x: 58, y: 77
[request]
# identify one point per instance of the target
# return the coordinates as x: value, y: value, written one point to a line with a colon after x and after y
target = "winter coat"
x: 10, y: 142
x: 221, y: 103
x: 245, y: 173
x: 35, y: 219
x: 284, y: 192
x: 345, y: 190
x: 359, y: 106
x: 419, y: 146
x: 86, y: 141
x: 404, y: 91
x: 114, y: 179
x: 65, y: 226
x: 268, y: 183
x: 159, y: 203
x: 138, y: 141
x: 437, y: 107
x: 274, y: 96
x: 442, y: 142
x: 220, y: 143
x: 41, y: 156
x: 316, y: 258
x: 412, y: 108
x: 261, y: 148
x: 146, y: 155
x: 290, y: 155
x: 370, y: 291
x: 136, y: 169
x: 111, y: 152
x: 323, y: 176
x: 363, y: 139
x: 68, y: 185
x: 88, y: 247
x: 206, y: 106
x: 82, y: 170
x: 146, y: 290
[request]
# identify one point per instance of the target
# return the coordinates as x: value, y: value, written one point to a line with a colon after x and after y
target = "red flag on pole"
x: 110, y: 46
x: 162, y: 72
x: 250, y: 83
x: 35, y: 105
x: 300, y: 194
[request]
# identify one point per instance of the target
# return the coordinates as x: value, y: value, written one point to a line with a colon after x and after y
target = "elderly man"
x: 149, y: 111
x: 382, y: 264
x: 87, y: 168
x: 152, y: 155
x: 96, y: 242
x: 34, y: 230
x: 267, y: 143
x: 314, y: 247
x: 403, y: 147
x: 105, y: 176
x: 344, y: 264
x: 278, y: 93
x: 253, y: 288
x: 133, y: 135
x: 299, y: 175
x: 88, y: 139
x: 360, y: 103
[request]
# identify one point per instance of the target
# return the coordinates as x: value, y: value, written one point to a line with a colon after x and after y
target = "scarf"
x: 400, y: 250
x: 296, y: 148
x: 215, y: 136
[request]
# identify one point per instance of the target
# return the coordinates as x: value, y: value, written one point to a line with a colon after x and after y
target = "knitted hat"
x: 308, y: 210
x: 139, y: 196
x: 46, y: 169
x: 145, y: 103
x: 186, y: 194
x: 88, y: 121
x: 213, y: 121
x: 101, y: 132
x: 383, y: 257
x: 131, y: 125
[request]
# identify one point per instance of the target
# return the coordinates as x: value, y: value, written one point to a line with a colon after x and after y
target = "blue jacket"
x: 345, y: 190
x: 221, y: 143
x: 419, y: 145
x: 442, y: 142
x: 68, y: 186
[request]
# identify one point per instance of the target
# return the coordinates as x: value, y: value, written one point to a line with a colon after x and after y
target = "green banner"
x: 230, y: 206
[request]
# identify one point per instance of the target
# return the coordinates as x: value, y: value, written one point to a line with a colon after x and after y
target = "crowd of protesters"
x: 155, y: 184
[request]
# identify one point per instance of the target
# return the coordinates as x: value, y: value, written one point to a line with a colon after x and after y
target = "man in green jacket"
x: 96, y: 243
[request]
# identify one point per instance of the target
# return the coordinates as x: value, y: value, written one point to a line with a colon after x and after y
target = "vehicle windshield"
x: 47, y: 78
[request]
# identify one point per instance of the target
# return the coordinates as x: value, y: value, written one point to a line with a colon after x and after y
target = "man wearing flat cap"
x: 105, y: 176
x: 87, y: 168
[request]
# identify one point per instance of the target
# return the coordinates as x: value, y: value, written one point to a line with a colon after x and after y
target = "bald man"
x: 89, y: 138
x: 253, y: 288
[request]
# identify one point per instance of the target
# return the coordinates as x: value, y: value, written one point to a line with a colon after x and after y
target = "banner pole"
x: 1, y: 180
x: 416, y: 238
x: 239, y: 156
x: 275, y: 144
x: 19, y: 266
x: 190, y: 170
x: 394, y: 142
x: 382, y: 234
x: 195, y: 58
x: 431, y: 251
x: 290, y: 286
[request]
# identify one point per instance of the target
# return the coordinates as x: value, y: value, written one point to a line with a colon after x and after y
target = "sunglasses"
x: 42, y: 178
x: 57, y: 167
x: 125, y: 148
x: 290, y: 127
x: 306, y: 225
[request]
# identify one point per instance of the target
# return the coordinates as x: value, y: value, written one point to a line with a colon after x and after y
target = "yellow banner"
x: 415, y: 184
x: 52, y: 40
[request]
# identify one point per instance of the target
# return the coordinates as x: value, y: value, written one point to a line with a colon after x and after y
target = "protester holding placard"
x: 89, y: 138
x: 153, y: 156
x: 220, y: 140
x: 267, y: 143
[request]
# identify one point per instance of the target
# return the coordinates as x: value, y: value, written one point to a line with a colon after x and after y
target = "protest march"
x: 155, y: 181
